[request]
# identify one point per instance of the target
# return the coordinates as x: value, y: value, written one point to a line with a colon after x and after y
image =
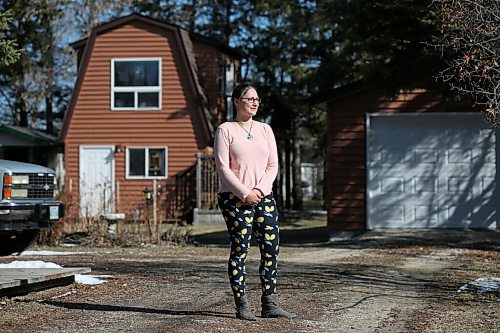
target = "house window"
x: 146, y: 162
x: 136, y: 84
x: 226, y: 86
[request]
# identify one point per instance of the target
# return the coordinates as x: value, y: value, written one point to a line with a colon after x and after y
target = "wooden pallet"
x: 19, y: 281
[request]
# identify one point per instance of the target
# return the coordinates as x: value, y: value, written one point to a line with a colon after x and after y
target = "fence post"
x: 198, y: 180
x: 117, y: 196
x: 155, y: 213
x: 155, y: 217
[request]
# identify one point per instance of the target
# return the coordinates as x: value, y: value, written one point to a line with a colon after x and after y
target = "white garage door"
x: 432, y: 171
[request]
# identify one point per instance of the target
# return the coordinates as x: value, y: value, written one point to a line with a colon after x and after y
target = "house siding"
x: 346, y: 147
x: 209, y: 61
x: 93, y: 122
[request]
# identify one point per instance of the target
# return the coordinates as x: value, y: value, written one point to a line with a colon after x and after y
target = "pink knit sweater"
x: 245, y: 164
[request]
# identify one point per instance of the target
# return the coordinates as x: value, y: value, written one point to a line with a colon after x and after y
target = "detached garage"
x: 410, y: 162
x: 431, y: 171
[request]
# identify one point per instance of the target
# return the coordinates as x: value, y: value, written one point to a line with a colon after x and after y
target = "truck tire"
x: 15, y: 242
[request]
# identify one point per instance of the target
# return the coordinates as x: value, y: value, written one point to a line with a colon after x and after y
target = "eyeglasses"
x: 251, y: 99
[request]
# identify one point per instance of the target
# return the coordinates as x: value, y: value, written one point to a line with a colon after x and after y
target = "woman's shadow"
x: 116, y: 308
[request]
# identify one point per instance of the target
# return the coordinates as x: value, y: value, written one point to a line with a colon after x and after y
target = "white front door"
x: 432, y: 171
x: 96, y: 180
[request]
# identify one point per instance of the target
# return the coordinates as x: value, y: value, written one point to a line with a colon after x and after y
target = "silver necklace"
x: 249, y: 133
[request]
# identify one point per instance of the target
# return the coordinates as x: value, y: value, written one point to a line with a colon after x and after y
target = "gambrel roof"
x: 185, y: 40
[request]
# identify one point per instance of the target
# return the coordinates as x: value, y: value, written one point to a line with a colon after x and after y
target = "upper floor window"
x: 136, y: 84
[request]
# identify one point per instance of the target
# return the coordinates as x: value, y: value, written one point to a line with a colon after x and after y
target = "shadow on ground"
x: 117, y: 308
x: 393, y: 238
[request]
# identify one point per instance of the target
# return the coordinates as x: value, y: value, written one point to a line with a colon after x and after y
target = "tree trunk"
x: 48, y: 114
x: 297, y: 179
x: 288, y: 176
x: 49, y: 72
x: 21, y: 114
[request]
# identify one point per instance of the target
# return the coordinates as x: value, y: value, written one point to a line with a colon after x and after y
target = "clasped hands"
x: 254, y: 197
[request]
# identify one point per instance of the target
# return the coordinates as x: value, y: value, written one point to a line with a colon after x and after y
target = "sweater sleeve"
x: 222, y: 162
x: 265, y: 184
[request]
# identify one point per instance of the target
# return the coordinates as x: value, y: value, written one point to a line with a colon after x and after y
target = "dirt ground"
x: 374, y: 282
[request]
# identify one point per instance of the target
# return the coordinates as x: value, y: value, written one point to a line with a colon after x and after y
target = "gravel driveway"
x: 376, y: 282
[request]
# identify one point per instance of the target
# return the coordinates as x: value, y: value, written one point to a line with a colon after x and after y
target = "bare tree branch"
x: 471, y: 34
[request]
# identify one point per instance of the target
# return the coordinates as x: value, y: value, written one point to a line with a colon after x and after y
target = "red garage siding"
x: 346, y: 147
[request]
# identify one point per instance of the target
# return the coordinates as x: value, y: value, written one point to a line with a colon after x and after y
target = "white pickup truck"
x: 27, y: 204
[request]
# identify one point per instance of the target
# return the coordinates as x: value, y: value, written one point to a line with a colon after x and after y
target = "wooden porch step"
x: 18, y: 281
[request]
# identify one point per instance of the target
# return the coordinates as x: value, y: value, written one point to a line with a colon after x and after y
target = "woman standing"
x: 247, y: 163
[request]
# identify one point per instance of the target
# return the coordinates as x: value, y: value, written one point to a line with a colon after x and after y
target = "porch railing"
x: 196, y: 187
x: 181, y: 195
x: 207, y: 182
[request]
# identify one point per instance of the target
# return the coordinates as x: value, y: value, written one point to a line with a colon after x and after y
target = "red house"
x: 413, y: 161
x: 147, y: 98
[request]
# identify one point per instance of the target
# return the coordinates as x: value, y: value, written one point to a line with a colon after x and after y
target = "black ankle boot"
x: 272, y: 309
x: 243, y: 309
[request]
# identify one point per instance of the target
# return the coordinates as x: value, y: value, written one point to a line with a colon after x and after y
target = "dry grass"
x: 289, y: 221
x: 96, y: 232
x: 138, y: 227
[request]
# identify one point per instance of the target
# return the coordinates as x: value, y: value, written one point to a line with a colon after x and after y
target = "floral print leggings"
x: 243, y: 220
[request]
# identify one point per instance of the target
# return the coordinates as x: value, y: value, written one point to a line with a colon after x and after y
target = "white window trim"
x: 146, y: 148
x: 135, y: 90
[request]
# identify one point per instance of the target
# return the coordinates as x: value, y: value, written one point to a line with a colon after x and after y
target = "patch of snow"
x: 30, y: 264
x: 70, y: 244
x: 90, y: 279
x: 79, y: 278
x: 482, y: 285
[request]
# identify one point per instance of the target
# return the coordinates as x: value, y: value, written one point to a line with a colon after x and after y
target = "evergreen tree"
x: 9, y: 52
x: 280, y: 63
x: 36, y: 89
x: 181, y: 12
x: 384, y: 42
x: 14, y: 85
x: 83, y: 15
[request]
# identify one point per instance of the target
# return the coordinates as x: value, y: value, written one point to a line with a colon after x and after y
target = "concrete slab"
x: 14, y: 281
